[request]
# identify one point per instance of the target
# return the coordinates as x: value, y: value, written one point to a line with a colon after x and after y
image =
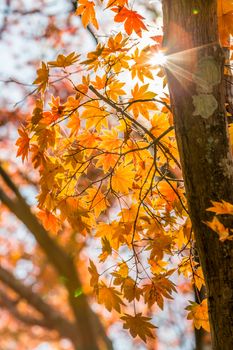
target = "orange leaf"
x: 109, y: 297
x: 221, y: 208
x: 64, y: 61
x: 122, y: 178
x: 42, y: 77
x: 133, y: 21
x: 219, y: 228
x: 199, y: 314
x: 86, y: 9
x: 138, y: 325
x: 23, y: 143
x: 49, y: 221
x: 94, y: 274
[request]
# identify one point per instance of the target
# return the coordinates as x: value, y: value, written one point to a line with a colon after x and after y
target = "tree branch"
x: 52, y: 319
x: 86, y: 320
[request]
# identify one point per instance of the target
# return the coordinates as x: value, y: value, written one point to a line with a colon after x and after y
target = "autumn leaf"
x: 122, y: 178
x: 86, y: 9
x: 96, y: 200
x: 198, y: 278
x: 49, y: 221
x: 94, y: 274
x: 132, y: 20
x: 106, y: 249
x: 119, y: 3
x: 138, y: 325
x: 107, y: 161
x: 225, y: 21
x: 140, y: 102
x: 141, y: 68
x: 160, y: 287
x: 23, y: 143
x: 114, y: 90
x: 220, y: 229
x: 110, y: 140
x: 199, y: 314
x: 42, y: 77
x: 74, y: 123
x: 222, y: 207
x: 64, y: 61
x: 109, y: 297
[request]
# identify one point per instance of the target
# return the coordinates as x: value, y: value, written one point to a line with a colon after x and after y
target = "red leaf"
x: 133, y: 21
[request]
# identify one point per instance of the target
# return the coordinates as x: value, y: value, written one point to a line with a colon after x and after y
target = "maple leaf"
x: 93, y: 57
x: 95, y: 115
x: 94, y: 274
x: 198, y: 278
x: 221, y: 208
x: 123, y: 270
x: 130, y: 289
x: 199, y: 314
x: 49, y: 221
x: 42, y: 77
x: 160, y: 287
x: 109, y: 297
x: 74, y: 123
x: 220, y: 229
x: 46, y: 137
x: 107, y: 161
x: 106, y: 249
x: 140, y: 94
x: 225, y: 21
x: 138, y: 325
x: 133, y: 21
x: 119, y: 3
x: 123, y: 178
x: 110, y: 140
x: 114, y: 90
x: 97, y: 200
x: 141, y: 68
x: 86, y: 9
x: 64, y: 61
x: 23, y: 143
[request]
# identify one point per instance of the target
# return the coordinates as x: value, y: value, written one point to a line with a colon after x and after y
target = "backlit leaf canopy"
x: 109, y: 166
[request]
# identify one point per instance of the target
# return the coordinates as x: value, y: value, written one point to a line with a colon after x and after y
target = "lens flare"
x: 158, y: 59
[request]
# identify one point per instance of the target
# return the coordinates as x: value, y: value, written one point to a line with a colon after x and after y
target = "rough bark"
x: 196, y: 84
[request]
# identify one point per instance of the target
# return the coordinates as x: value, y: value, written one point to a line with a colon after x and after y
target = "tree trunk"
x: 196, y: 84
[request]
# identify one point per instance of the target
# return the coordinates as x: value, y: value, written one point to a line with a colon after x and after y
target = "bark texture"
x: 196, y: 83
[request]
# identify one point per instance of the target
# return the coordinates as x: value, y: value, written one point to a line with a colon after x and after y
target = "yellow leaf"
x: 86, y: 9
x: 138, y: 325
x: 109, y: 297
x: 221, y: 208
x: 96, y: 200
x: 199, y: 314
x: 42, y: 77
x: 110, y: 140
x: 141, y: 101
x: 23, y: 143
x: 64, y: 61
x: 107, y: 161
x: 123, y: 270
x: 49, y: 221
x: 94, y: 274
x: 95, y: 115
x: 198, y: 278
x: 219, y: 228
x: 122, y: 178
